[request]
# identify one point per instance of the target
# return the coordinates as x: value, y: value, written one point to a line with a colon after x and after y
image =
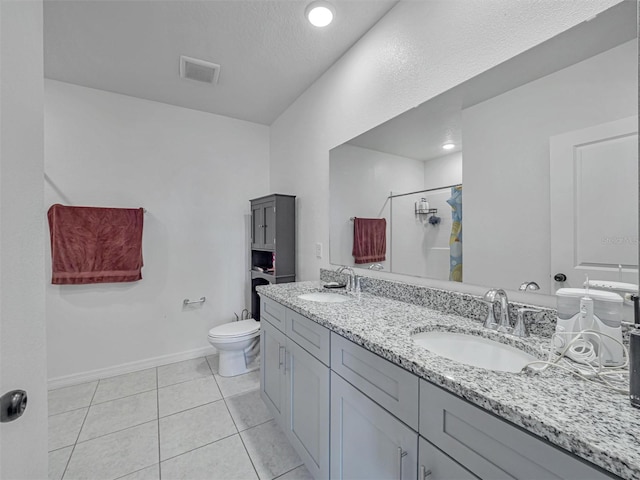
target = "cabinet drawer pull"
x: 401, y: 455
x: 280, y: 361
x: 424, y: 473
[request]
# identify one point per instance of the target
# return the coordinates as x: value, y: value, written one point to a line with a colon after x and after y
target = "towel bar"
x: 186, y: 301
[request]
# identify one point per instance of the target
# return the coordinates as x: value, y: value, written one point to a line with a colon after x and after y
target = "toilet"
x: 238, y: 345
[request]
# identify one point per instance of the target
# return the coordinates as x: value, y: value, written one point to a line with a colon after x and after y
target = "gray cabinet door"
x: 257, y: 235
x: 435, y: 465
x: 269, y: 229
x: 367, y: 442
x: 263, y: 225
x: 272, y: 357
x: 307, y: 422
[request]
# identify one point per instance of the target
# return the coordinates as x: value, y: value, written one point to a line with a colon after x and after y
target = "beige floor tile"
x: 248, y: 410
x: 125, y: 385
x: 194, y: 428
x: 116, y: 454
x: 115, y: 415
x: 223, y: 460
x: 186, y: 395
x: 64, y: 428
x: 270, y: 451
x: 71, y: 398
x: 183, y: 371
x: 239, y: 384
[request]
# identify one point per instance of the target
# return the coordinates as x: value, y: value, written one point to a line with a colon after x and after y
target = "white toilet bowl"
x: 232, y: 340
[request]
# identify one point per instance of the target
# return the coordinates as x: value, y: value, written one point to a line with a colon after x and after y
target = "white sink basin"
x: 473, y: 350
x: 324, y: 297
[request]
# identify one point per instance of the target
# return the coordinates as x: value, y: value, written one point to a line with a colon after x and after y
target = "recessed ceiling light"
x: 320, y: 13
x: 449, y: 146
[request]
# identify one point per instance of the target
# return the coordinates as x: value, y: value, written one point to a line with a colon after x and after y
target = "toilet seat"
x: 235, y: 330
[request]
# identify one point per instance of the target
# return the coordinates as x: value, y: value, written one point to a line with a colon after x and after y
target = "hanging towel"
x: 95, y: 245
x: 369, y: 239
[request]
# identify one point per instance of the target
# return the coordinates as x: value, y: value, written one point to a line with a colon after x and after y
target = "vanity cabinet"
x: 295, y: 382
x: 351, y: 414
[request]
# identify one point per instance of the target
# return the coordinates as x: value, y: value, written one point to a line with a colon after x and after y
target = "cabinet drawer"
x: 273, y: 312
x: 435, y: 465
x: 314, y: 338
x: 491, y: 447
x: 387, y: 384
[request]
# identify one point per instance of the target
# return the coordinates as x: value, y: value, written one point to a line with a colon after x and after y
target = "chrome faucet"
x: 529, y: 286
x: 351, y: 279
x: 376, y: 266
x: 521, y: 330
x: 490, y: 298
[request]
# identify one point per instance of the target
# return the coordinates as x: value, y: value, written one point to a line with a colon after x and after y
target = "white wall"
x: 415, y: 52
x: 361, y: 180
x: 506, y: 162
x: 194, y: 172
x: 442, y: 171
x: 23, y: 443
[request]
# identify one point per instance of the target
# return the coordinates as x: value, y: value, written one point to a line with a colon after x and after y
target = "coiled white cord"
x: 580, y: 359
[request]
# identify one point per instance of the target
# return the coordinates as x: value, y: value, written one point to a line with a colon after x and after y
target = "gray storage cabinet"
x: 273, y: 236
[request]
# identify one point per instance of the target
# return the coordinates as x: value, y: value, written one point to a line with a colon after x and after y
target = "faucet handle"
x: 490, y: 321
x: 520, y: 330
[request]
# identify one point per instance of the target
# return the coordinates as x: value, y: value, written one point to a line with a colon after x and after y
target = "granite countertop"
x: 587, y: 419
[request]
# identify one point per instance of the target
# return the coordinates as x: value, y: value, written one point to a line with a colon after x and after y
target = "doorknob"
x: 12, y: 405
x: 560, y: 277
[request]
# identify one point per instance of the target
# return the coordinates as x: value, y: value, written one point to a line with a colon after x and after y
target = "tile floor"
x: 178, y: 421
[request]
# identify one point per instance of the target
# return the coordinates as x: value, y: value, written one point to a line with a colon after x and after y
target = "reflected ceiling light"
x: 320, y: 13
x: 449, y: 146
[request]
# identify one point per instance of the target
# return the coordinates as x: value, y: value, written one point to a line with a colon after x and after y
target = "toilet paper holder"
x: 186, y: 301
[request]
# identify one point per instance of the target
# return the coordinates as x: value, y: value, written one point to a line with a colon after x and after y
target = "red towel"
x: 95, y: 245
x: 369, y: 239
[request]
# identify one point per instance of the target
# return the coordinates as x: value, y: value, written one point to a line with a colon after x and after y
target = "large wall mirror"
x: 543, y: 158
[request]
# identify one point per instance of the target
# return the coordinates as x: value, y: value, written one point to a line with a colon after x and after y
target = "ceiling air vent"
x: 199, y: 70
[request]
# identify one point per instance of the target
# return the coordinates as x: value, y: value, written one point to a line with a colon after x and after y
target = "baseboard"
x: 92, y: 375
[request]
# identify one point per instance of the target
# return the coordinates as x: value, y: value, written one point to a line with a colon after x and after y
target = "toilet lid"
x: 235, y: 329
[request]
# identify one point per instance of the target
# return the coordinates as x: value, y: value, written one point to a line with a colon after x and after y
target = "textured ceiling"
x: 269, y: 54
x: 420, y: 132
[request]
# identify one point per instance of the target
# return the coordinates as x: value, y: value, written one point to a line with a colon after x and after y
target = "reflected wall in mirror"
x: 535, y: 204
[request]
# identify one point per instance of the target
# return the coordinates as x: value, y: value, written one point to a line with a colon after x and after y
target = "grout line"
x: 116, y: 431
x: 187, y: 409
x: 158, y: 420
x: 256, y: 425
x: 249, y: 455
x: 283, y: 474
x: 185, y: 381
x: 199, y: 447
x: 68, y: 411
x: 124, y: 396
x: 79, y: 431
x: 139, y: 470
